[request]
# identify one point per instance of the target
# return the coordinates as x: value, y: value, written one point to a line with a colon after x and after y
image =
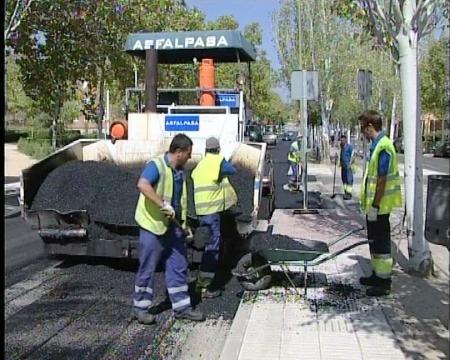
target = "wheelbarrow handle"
x: 251, y: 272
x: 347, y: 234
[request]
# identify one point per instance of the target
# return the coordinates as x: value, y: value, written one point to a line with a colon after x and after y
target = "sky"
x: 245, y: 12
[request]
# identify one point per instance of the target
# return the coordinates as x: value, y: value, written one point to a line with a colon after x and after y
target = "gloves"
x: 168, y: 210
x: 372, y: 215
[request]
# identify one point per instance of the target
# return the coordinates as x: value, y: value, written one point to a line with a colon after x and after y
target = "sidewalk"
x: 15, y: 161
x: 338, y: 321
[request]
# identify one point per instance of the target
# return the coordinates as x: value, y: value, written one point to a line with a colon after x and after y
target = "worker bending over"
x: 213, y: 194
x: 346, y: 163
x: 380, y: 193
x: 162, y: 202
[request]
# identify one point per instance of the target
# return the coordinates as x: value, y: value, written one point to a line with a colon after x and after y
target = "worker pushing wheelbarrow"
x: 254, y: 270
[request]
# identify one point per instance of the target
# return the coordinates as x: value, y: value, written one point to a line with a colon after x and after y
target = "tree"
x: 311, y: 35
x: 433, y: 79
x: 73, y: 41
x: 399, y: 25
x: 18, y: 103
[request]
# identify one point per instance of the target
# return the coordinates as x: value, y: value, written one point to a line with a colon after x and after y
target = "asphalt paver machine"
x: 221, y: 113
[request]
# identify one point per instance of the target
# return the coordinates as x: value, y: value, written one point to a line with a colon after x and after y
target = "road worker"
x: 213, y: 195
x: 346, y: 161
x: 380, y: 194
x: 295, y: 158
x: 162, y: 199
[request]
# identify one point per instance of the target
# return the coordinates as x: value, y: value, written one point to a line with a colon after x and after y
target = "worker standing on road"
x: 295, y: 158
x: 380, y: 193
x: 213, y: 194
x: 162, y: 201
x: 346, y: 163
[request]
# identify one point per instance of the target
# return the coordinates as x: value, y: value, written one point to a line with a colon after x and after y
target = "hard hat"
x: 212, y: 143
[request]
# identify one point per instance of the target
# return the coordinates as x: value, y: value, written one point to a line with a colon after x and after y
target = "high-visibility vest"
x: 294, y: 152
x: 148, y: 215
x: 392, y: 197
x: 210, y: 195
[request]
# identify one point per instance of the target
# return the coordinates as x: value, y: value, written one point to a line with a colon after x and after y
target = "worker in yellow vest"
x: 294, y: 159
x: 380, y: 194
x: 213, y: 195
x: 162, y: 203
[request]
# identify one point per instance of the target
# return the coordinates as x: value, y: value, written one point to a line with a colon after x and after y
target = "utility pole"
x: 303, y: 110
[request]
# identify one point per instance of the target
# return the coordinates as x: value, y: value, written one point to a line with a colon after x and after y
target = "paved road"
x: 441, y: 165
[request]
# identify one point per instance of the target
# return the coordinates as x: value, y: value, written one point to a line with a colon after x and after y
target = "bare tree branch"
x: 13, y: 16
x: 22, y: 15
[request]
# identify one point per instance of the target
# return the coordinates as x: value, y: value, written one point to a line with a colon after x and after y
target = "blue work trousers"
x: 347, y: 175
x: 170, y: 248
x: 295, y: 171
x: 210, y: 257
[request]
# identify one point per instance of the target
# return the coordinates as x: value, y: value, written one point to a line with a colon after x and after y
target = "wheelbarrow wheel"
x: 261, y: 280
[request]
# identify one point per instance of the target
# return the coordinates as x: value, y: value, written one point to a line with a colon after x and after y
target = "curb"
x: 11, y: 211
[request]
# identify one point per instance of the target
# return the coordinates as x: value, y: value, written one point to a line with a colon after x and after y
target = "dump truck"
x: 221, y: 113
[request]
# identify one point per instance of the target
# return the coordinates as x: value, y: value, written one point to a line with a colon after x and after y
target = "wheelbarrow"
x: 254, y: 270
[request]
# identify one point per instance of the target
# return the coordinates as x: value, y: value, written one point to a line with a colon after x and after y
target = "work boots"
x: 372, y: 280
x: 211, y: 293
x: 347, y: 196
x: 379, y: 290
x: 143, y: 317
x: 191, y: 314
x: 378, y: 286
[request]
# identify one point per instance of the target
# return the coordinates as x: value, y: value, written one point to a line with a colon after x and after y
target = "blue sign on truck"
x: 182, y: 122
x: 228, y: 99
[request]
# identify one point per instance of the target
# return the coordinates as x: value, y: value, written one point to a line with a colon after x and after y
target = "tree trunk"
x: 325, y: 137
x: 419, y: 253
x: 100, y: 104
x: 392, y: 129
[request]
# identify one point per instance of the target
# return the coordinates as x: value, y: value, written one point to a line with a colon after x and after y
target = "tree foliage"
x: 433, y: 78
x: 76, y: 41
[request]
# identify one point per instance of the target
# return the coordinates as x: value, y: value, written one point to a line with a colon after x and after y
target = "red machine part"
x: 119, y: 130
x: 207, y: 81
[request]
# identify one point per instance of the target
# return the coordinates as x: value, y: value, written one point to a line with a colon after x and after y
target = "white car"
x: 270, y: 138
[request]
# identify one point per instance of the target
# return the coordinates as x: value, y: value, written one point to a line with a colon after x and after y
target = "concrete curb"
x: 235, y: 337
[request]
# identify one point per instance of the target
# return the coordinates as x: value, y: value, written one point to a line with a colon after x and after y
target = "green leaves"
x: 433, y: 78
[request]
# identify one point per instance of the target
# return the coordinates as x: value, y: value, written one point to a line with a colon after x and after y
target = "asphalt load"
x: 109, y: 194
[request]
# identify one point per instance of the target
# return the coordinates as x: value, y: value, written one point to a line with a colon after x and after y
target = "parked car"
x: 270, y: 138
x: 442, y: 149
x: 288, y: 136
x: 255, y: 135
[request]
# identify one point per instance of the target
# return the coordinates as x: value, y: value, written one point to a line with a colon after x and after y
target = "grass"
x: 37, y: 149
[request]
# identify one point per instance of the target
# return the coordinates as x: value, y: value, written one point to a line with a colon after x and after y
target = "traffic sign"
x: 304, y: 85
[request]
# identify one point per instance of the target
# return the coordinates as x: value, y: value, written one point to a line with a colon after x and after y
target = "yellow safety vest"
x: 392, y: 197
x: 295, y: 155
x: 210, y: 196
x: 148, y: 215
